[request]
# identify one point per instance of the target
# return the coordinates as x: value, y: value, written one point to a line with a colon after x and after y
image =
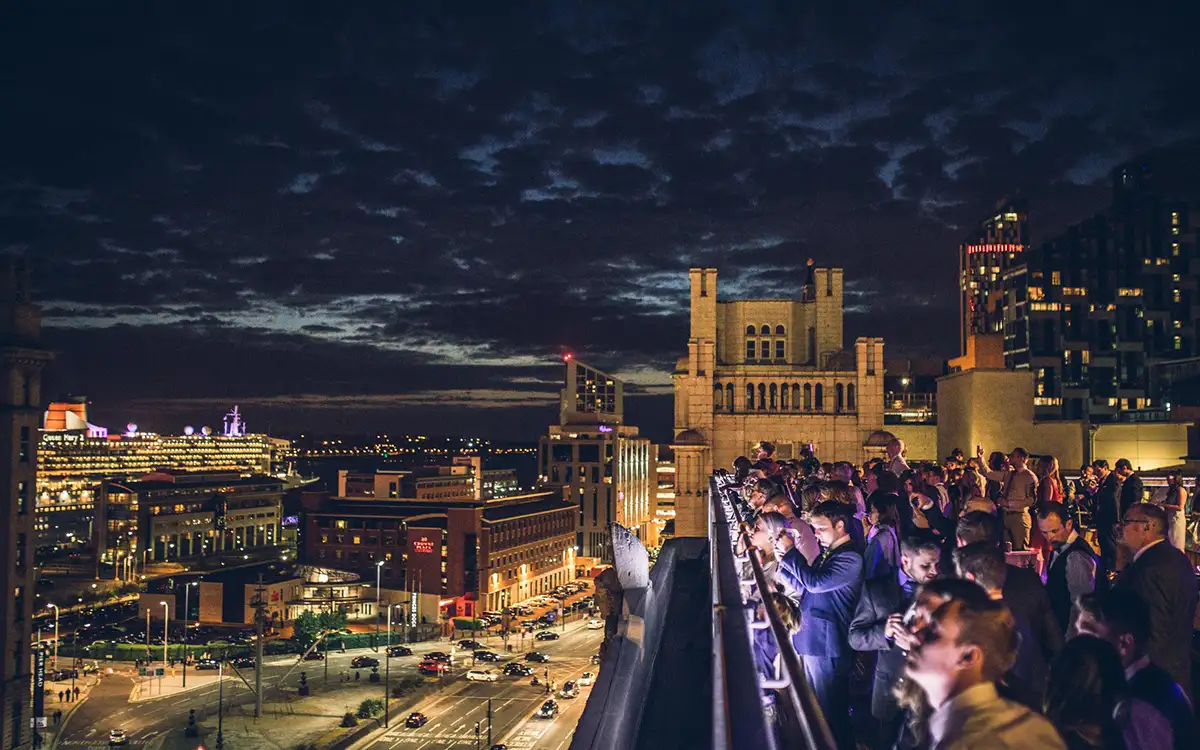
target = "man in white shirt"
x: 960, y: 644
x: 1018, y: 491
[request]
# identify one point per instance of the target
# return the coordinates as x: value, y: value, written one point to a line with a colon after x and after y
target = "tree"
x: 306, y: 628
x: 332, y: 621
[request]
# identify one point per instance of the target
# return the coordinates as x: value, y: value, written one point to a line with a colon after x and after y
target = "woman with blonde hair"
x: 1050, y: 486
x: 974, y: 494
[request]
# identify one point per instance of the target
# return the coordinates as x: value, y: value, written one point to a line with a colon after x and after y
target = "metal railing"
x: 736, y: 681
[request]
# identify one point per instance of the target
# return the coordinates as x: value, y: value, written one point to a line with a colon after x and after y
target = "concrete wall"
x: 1147, y: 446
x: 920, y: 441
x: 994, y: 408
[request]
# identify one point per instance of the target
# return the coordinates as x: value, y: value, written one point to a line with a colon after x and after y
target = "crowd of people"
x: 915, y: 629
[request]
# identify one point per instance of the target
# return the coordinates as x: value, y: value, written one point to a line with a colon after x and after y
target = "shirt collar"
x: 1137, y: 666
x: 905, y: 578
x: 950, y: 715
x: 1148, y: 546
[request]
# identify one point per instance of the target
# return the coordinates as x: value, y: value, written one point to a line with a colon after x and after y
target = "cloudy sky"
x: 392, y: 219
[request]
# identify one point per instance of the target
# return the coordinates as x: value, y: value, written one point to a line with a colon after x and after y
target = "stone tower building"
x: 769, y: 369
x: 20, y: 417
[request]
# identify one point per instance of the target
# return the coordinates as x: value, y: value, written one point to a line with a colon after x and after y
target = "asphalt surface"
x: 453, y: 713
x: 108, y: 705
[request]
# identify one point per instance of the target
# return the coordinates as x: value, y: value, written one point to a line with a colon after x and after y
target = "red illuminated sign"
x: 972, y: 249
x: 423, y: 545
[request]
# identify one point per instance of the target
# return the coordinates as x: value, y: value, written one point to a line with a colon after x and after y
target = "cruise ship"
x: 75, y: 456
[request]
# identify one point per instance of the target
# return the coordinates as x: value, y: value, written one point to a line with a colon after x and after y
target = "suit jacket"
x: 1131, y: 493
x: 829, y: 591
x: 1041, y: 639
x: 1164, y: 579
x: 1108, y: 505
x: 880, y: 598
x: 1153, y: 685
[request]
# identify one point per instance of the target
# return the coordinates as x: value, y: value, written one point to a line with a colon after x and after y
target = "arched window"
x: 783, y: 396
x: 795, y: 396
x: 762, y: 396
x: 850, y: 405
x: 750, y: 330
x: 729, y: 396
x: 749, y: 397
x: 718, y: 396
x: 765, y: 331
x: 779, y: 331
x: 808, y: 397
x: 774, y: 397
x: 839, y: 398
x: 819, y: 398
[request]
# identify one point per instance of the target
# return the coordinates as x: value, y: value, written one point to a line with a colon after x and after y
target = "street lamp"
x: 186, y: 590
x: 166, y: 622
x: 378, y: 574
x: 55, y: 606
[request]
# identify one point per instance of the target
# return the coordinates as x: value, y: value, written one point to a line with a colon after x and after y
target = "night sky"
x: 388, y: 219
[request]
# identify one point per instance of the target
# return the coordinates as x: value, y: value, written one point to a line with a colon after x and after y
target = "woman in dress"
x: 1175, y: 504
x: 882, y: 557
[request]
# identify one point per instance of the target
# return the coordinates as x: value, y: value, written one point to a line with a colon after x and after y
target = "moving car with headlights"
x: 595, y: 625
x: 486, y: 656
x: 441, y: 656
x: 587, y: 679
x: 469, y: 644
x: 549, y: 710
x: 546, y: 635
x: 482, y: 675
x: 399, y: 651
x: 432, y: 668
x: 207, y: 664
x: 538, y: 657
x: 513, y: 669
x: 569, y: 690
x: 117, y: 737
x: 359, y: 662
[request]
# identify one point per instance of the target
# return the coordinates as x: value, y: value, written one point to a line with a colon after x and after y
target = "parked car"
x: 536, y: 656
x: 482, y: 675
x: 399, y: 651
x: 549, y: 710
x: 486, y: 656
x: 469, y: 644
x: 587, y: 679
x: 595, y: 625
x: 547, y: 635
x: 514, y: 669
x: 416, y: 720
x: 360, y: 662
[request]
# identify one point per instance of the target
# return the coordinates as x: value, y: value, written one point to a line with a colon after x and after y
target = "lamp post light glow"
x: 55, y: 606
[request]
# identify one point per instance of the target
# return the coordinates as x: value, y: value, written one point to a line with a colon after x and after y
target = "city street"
x: 453, y: 710
x: 453, y: 714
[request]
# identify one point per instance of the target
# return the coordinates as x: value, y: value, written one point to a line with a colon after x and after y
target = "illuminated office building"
x: 604, y: 467
x: 984, y: 257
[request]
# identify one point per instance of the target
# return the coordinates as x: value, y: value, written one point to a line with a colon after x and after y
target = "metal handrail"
x: 800, y: 699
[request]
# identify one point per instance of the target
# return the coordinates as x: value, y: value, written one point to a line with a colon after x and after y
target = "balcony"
x: 703, y: 666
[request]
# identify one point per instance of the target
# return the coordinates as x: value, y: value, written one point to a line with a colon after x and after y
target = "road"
x: 453, y: 713
x: 108, y: 706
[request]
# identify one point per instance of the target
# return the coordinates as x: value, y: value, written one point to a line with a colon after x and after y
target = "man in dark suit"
x: 1106, y: 516
x: 829, y: 591
x: 983, y: 563
x: 1122, y: 618
x: 878, y: 626
x: 1132, y: 488
x: 1163, y: 577
x: 1023, y: 591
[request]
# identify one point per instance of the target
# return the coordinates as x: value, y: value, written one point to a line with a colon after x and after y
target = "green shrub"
x: 370, y: 707
x: 349, y: 720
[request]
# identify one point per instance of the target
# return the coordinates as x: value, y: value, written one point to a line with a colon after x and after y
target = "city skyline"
x: 354, y: 222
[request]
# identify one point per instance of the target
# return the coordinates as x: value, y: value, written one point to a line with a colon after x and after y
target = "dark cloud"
x: 375, y: 205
